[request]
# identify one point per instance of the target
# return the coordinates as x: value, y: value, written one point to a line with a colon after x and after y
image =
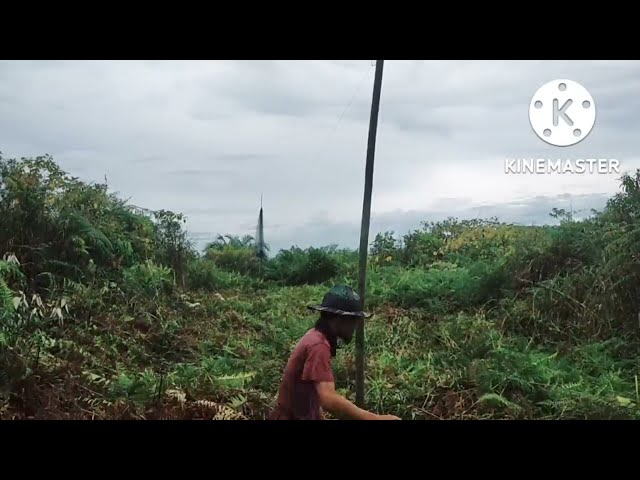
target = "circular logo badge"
x: 562, y: 112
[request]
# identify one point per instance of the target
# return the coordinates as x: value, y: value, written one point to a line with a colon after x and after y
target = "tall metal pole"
x: 364, y: 230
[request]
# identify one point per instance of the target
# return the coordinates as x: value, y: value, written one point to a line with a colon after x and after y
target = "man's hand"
x: 339, y: 406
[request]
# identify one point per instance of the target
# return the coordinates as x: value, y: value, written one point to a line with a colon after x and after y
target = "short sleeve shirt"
x: 309, y: 363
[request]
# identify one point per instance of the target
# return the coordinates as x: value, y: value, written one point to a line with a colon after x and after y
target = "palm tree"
x: 232, y: 241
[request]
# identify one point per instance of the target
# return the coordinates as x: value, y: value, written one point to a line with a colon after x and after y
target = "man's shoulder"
x: 314, y: 338
x: 312, y: 341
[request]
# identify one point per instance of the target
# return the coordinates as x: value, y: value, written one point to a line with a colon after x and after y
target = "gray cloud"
x: 209, y: 137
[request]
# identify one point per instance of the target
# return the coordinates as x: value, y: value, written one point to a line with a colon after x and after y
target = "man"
x: 308, y: 386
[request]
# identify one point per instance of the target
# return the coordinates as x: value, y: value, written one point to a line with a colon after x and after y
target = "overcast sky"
x: 207, y: 138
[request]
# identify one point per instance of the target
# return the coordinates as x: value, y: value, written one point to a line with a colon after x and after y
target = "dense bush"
x: 204, y: 274
x: 385, y: 250
x: 242, y: 260
x: 438, y: 290
x: 61, y: 228
x: 147, y: 278
x: 298, y: 267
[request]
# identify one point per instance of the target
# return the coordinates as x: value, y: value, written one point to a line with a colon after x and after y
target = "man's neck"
x: 330, y: 336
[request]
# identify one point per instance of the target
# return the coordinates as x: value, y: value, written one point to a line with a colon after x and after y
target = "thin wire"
x: 353, y: 97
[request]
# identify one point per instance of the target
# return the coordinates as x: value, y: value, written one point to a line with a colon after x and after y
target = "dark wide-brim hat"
x: 341, y: 300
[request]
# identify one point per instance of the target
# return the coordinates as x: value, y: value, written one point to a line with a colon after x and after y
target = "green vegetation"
x: 106, y: 313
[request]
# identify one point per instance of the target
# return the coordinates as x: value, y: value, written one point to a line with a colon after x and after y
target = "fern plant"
x: 8, y: 269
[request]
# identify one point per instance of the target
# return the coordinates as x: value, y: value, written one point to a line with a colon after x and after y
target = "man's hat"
x: 341, y: 300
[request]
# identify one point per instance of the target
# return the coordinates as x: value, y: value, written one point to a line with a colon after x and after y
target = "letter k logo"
x: 557, y: 112
x: 562, y: 112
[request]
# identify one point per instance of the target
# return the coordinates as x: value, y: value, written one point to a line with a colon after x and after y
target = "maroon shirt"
x: 309, y: 363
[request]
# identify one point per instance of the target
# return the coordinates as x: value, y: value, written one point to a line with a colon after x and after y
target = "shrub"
x: 385, y: 250
x: 242, y: 260
x: 299, y: 267
x: 438, y: 291
x: 148, y: 278
x: 422, y: 249
x: 203, y: 274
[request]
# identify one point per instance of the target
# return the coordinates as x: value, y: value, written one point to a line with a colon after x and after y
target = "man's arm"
x: 333, y: 402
